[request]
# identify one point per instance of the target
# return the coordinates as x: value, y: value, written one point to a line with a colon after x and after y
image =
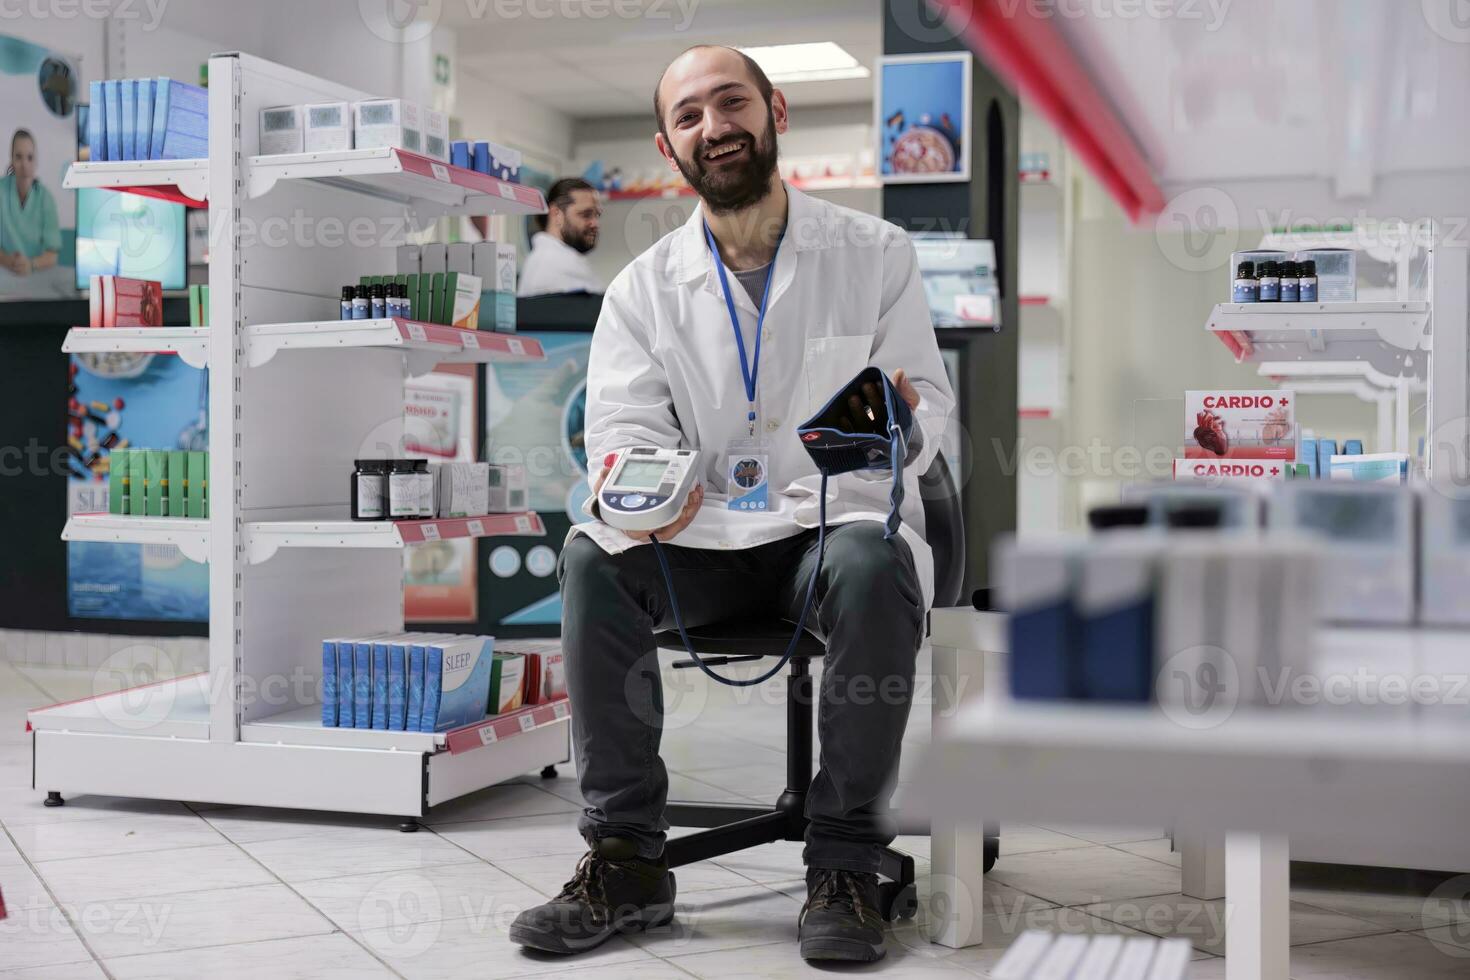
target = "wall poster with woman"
x: 38, y: 137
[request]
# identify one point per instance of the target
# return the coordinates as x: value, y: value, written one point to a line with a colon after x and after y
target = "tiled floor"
x: 133, y: 889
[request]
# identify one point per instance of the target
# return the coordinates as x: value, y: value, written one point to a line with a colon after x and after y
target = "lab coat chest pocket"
x: 831, y: 362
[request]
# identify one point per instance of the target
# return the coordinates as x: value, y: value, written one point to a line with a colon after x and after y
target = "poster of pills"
x: 118, y: 401
x: 923, y: 118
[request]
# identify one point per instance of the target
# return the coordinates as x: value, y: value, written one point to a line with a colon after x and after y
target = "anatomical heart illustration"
x: 1277, y: 427
x: 1209, y: 432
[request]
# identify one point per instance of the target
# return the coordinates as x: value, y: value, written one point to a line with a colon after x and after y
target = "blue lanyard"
x: 749, y: 367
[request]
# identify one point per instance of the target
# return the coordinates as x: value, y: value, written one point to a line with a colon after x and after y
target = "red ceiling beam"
x: 1021, y: 44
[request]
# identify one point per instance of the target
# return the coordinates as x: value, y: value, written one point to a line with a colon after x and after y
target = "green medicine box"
x: 117, y: 481
x: 156, y: 466
x: 436, y: 298
x: 177, y: 479
x: 196, y: 466
x: 137, y: 482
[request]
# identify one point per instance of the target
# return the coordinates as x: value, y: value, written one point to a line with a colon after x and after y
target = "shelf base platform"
x: 174, y: 708
x: 301, y: 777
x: 303, y: 726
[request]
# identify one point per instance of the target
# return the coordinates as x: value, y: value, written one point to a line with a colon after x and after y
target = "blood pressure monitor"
x: 646, y: 487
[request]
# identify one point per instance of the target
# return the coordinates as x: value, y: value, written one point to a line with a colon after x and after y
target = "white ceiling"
x: 1349, y: 90
x: 580, y: 57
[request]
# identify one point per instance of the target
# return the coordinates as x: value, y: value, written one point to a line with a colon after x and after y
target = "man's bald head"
x: 698, y: 57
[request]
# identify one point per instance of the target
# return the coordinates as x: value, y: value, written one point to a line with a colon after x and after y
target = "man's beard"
x: 581, y: 241
x: 736, y: 189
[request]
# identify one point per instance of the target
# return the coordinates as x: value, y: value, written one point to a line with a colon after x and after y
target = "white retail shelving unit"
x: 1416, y: 340
x: 294, y: 398
x: 1382, y: 783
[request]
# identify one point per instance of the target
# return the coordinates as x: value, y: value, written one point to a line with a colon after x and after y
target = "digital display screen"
x: 642, y: 474
x: 130, y: 235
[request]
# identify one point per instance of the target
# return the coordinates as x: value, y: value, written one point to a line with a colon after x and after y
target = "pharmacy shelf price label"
x: 515, y: 346
x: 469, y: 341
x: 476, y: 529
x: 507, y: 191
x: 439, y: 171
x: 559, y: 710
x: 431, y: 532
x: 523, y: 524
x: 416, y: 332
x: 487, y: 735
x: 527, y: 722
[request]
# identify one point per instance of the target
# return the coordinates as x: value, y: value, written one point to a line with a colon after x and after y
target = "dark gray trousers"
x: 869, y: 610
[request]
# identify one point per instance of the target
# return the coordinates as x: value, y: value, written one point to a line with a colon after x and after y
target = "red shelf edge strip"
x: 411, y: 532
x: 444, y: 333
x: 468, y: 738
x: 164, y: 192
x: 471, y: 180
x: 1228, y: 339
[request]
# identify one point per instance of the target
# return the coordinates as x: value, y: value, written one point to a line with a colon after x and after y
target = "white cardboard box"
x: 388, y: 122
x: 327, y: 126
x: 281, y: 130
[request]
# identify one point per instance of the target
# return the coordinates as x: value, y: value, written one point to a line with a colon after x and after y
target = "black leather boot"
x: 840, y: 920
x: 613, y: 891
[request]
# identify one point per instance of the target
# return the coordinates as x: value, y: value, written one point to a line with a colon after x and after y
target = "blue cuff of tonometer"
x: 841, y: 440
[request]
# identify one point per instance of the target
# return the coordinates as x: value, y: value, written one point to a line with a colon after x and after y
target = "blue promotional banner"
x: 131, y: 401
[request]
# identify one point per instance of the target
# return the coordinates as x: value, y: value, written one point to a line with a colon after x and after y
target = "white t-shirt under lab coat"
x: 664, y: 370
x: 555, y: 267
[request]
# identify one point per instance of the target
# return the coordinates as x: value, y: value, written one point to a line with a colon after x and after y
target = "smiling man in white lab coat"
x: 722, y: 337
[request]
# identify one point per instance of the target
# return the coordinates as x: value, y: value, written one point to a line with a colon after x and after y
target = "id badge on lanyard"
x: 747, y: 460
x: 747, y: 475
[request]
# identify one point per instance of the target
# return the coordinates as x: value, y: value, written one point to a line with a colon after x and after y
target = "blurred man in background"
x: 558, y: 260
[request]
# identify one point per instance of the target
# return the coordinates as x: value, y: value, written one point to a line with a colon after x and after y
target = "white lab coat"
x: 664, y: 369
x: 553, y: 266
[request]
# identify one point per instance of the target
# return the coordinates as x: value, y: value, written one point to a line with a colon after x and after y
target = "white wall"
x: 515, y: 118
